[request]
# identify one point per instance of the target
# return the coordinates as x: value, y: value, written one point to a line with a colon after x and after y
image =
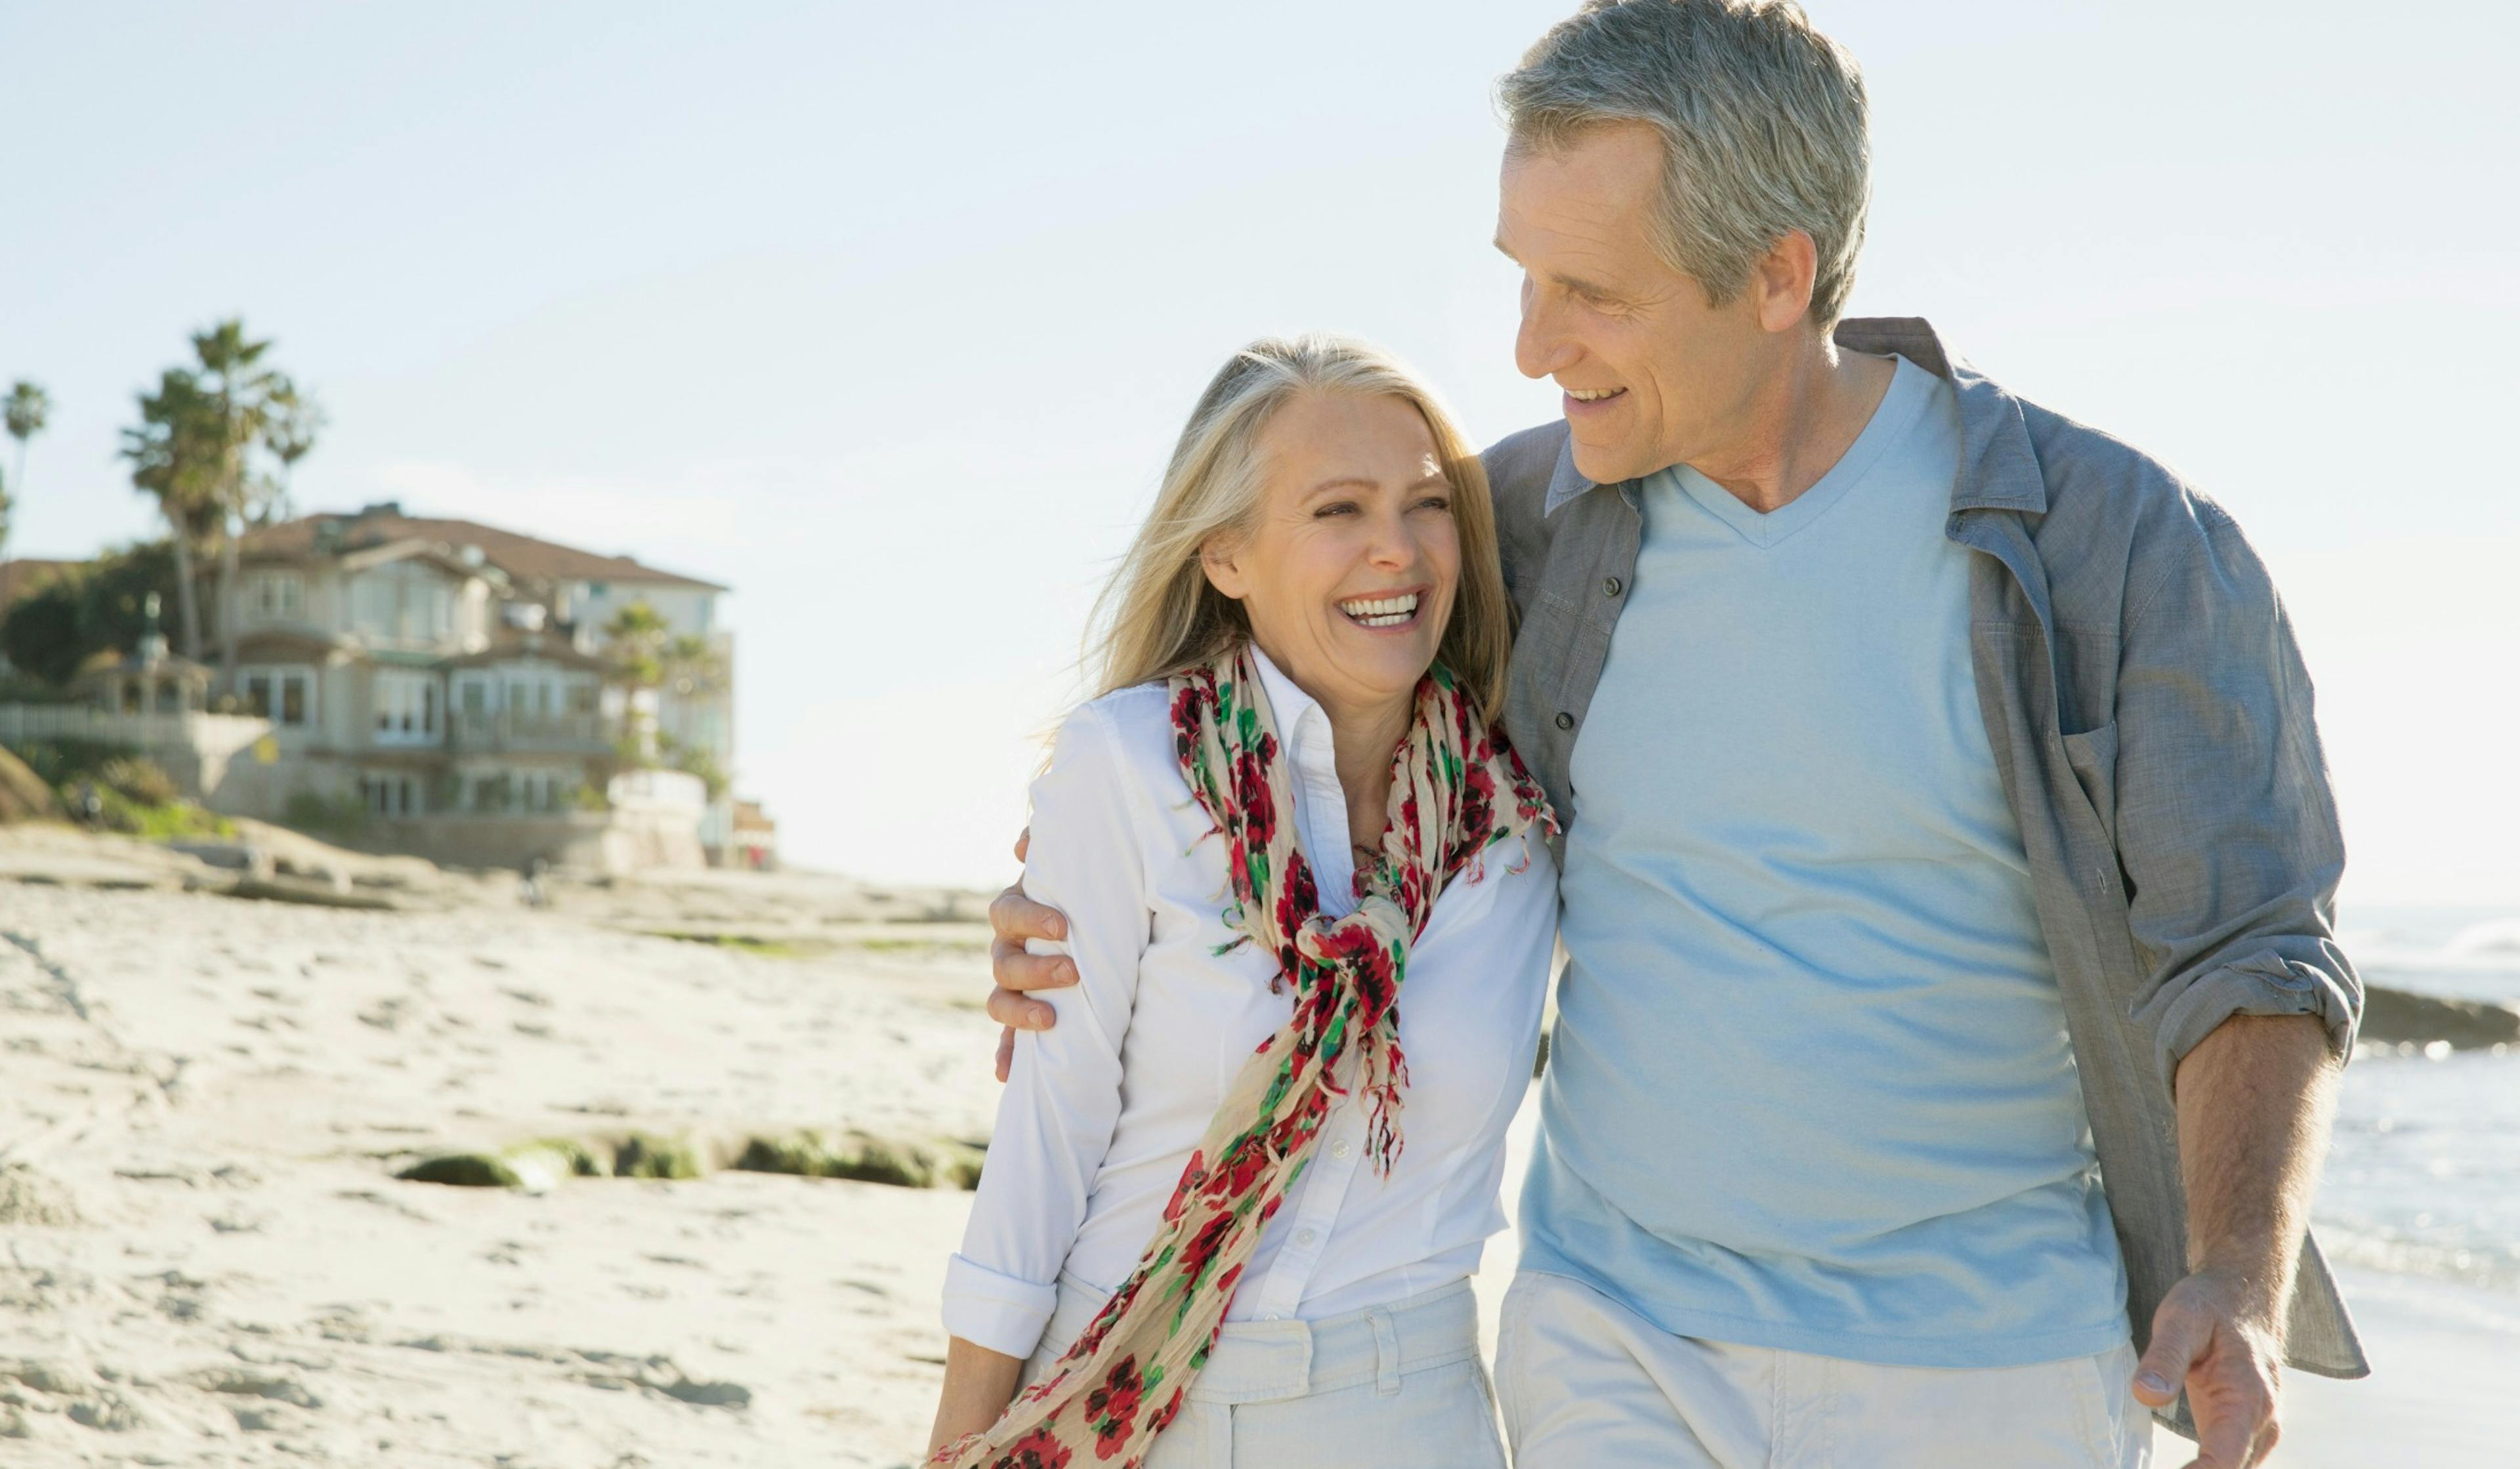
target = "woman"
x: 1285, y: 815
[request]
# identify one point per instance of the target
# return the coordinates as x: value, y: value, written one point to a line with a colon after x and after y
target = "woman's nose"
x: 1394, y: 544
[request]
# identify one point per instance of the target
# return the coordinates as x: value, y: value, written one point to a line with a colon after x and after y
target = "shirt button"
x: 1268, y: 1315
x: 1565, y: 721
x: 1306, y: 1236
x: 1612, y: 587
x: 1341, y: 1148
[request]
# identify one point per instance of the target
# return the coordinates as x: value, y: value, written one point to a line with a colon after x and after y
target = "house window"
x: 277, y: 595
x: 284, y: 696
x: 403, y: 602
x: 392, y: 795
x: 406, y: 709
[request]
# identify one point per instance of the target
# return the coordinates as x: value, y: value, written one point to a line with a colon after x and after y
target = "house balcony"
x: 582, y: 734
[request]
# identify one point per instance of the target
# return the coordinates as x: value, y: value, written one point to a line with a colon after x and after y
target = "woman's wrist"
x: 978, y: 1385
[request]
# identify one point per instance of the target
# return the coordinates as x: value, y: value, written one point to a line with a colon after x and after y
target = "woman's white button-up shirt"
x: 1102, y: 1111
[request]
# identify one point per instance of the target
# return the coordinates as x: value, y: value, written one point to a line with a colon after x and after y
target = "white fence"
x: 183, y: 728
x: 192, y: 746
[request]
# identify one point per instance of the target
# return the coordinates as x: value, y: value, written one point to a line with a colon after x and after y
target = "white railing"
x: 511, y: 729
x: 156, y: 729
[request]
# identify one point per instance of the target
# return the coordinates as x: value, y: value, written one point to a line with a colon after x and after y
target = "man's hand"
x: 2254, y: 1101
x: 2211, y: 1337
x: 1013, y: 919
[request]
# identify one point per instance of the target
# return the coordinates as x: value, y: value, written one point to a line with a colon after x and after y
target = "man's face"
x: 1652, y: 375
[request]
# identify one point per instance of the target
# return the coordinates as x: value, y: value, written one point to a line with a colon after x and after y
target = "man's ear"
x: 1223, y: 573
x: 1780, y: 283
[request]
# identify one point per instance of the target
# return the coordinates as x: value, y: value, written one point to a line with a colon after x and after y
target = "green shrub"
x: 141, y: 780
x: 170, y: 820
x: 325, y: 816
x: 62, y: 763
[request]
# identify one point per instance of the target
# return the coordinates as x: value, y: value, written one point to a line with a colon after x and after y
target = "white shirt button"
x: 1306, y: 1236
x: 1268, y: 1315
x: 1341, y: 1148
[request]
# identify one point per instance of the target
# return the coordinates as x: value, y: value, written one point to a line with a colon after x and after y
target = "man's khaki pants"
x: 1586, y: 1383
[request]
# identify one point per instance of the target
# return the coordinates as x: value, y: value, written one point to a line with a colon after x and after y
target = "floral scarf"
x: 1124, y: 1378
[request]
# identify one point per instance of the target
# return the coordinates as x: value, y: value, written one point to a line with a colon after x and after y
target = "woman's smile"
x: 1385, y: 612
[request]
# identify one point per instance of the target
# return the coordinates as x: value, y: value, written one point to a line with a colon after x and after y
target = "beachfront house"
x: 450, y: 688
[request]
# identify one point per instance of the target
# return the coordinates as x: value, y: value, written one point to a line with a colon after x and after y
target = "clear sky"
x: 885, y: 315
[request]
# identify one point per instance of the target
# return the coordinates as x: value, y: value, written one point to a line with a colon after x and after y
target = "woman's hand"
x: 978, y: 1385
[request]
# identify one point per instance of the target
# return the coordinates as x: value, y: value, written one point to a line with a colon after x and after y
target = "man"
x: 1950, y: 1006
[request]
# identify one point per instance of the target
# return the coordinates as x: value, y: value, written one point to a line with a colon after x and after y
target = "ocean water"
x: 2423, y: 1176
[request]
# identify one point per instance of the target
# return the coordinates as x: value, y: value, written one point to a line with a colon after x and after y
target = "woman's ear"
x: 1223, y: 573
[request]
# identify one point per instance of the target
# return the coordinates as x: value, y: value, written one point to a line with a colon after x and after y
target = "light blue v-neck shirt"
x: 1810, y: 1086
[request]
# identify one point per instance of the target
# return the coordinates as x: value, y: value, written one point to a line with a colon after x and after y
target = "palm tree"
x: 241, y: 391
x: 177, y: 454
x: 289, y: 434
x: 25, y: 410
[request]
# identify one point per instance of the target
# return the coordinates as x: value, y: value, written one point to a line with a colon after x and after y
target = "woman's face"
x: 1349, y: 574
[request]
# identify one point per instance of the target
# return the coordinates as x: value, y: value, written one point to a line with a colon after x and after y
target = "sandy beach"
x: 212, y: 1262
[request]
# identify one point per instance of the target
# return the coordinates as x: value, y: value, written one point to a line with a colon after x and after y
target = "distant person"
x: 90, y: 805
x: 529, y: 883
x: 1953, y: 1006
x: 1312, y: 925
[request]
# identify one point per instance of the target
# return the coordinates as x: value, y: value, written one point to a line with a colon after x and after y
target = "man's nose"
x: 1540, y: 345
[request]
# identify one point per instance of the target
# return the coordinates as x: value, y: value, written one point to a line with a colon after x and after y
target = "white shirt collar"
x: 1290, y: 706
x: 1320, y: 802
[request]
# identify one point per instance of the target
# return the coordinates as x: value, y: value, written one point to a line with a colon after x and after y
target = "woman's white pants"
x: 1387, y: 1387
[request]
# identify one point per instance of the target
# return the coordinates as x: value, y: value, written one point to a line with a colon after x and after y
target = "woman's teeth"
x: 1381, y: 611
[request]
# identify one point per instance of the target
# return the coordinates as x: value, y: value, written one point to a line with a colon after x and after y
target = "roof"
x: 413, y: 548
x: 520, y: 556
x: 25, y: 576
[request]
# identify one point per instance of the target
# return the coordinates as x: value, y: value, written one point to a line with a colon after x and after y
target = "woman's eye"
x: 1442, y: 503
x: 1335, y: 507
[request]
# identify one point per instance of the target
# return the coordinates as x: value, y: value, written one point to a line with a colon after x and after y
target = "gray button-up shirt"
x: 2151, y: 723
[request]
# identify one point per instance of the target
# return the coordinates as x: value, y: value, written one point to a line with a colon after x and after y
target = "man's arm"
x: 2227, y: 837
x: 2255, y: 1098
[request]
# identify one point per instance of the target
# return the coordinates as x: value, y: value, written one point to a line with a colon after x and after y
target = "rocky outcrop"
x: 24, y: 796
x: 2391, y: 1017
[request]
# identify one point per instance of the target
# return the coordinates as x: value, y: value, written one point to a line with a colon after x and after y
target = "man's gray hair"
x: 1761, y: 120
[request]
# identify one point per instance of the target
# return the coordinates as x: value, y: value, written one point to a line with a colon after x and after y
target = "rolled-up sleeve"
x: 2227, y: 831
x: 1063, y: 1095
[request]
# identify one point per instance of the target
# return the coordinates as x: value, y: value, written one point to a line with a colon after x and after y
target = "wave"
x: 2493, y: 1265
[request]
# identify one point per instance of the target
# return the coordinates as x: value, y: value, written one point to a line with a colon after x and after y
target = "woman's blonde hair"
x: 1158, y: 614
